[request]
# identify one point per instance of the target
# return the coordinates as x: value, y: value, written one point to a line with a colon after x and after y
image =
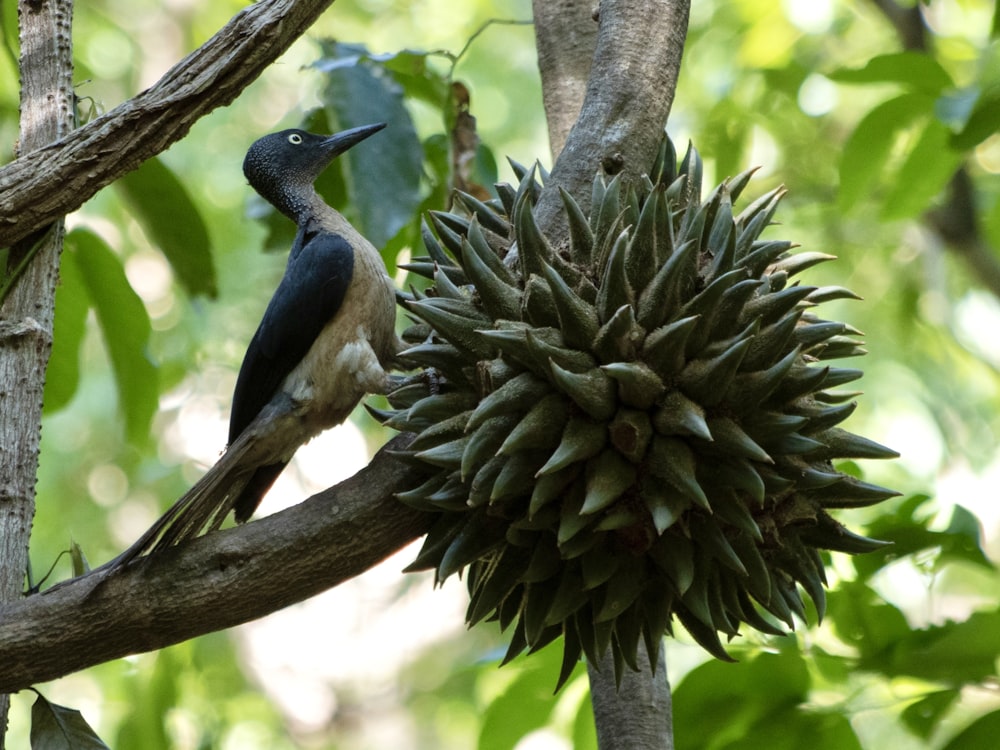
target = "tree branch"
x: 30, y: 276
x: 638, y: 716
x: 216, y: 581
x: 57, y: 179
x: 565, y: 37
x: 629, y: 93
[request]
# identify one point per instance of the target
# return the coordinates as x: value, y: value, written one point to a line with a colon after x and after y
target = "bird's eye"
x: 295, y: 139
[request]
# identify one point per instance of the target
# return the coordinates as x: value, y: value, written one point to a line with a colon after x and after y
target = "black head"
x: 283, y: 166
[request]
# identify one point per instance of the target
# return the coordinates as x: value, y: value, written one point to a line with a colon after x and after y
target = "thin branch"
x: 57, y: 179
x: 214, y: 582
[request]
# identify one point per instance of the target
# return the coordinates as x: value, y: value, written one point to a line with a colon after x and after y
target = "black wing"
x: 309, y: 295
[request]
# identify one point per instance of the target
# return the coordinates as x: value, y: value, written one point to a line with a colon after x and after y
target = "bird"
x: 327, y: 338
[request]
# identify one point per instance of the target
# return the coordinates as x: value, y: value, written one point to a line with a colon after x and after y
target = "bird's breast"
x: 350, y: 356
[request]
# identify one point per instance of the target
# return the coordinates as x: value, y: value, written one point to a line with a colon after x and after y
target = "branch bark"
x: 625, y: 109
x: 57, y: 179
x: 214, y: 582
x: 46, y: 68
x: 632, y: 79
x: 637, y: 716
x: 565, y: 37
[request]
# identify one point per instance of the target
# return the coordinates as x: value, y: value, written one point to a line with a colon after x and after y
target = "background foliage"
x: 164, y: 278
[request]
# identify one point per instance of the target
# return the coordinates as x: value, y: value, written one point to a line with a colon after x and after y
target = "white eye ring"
x: 295, y: 138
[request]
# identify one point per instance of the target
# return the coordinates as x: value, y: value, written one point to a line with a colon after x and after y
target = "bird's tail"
x: 248, y: 467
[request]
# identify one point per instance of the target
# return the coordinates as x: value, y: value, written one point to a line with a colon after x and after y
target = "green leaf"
x: 908, y: 531
x: 69, y: 326
x: 923, y: 716
x: 983, y: 121
x: 979, y: 735
x: 524, y: 707
x: 795, y: 728
x: 383, y: 173
x: 125, y: 328
x: 868, y: 147
x: 915, y: 70
x: 927, y: 169
x: 172, y: 221
x: 55, y: 727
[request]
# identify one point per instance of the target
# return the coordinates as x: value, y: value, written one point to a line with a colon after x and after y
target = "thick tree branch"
x: 631, y: 87
x: 55, y: 180
x: 214, y: 582
x: 46, y: 72
x: 629, y: 93
x: 565, y: 37
x: 639, y: 716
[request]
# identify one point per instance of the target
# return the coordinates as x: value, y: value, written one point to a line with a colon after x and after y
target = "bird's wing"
x: 309, y: 295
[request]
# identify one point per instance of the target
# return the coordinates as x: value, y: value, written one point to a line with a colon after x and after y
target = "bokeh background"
x: 167, y: 274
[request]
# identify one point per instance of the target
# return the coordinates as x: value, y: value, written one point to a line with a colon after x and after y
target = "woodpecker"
x: 326, y: 339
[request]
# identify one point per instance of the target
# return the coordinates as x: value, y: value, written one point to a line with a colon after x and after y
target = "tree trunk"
x: 46, y: 67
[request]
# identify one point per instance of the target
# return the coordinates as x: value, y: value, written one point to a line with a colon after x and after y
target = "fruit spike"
x: 632, y: 425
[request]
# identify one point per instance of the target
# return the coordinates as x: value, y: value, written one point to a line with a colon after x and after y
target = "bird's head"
x: 283, y: 166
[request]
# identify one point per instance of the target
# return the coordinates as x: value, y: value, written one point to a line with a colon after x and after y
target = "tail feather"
x: 238, y: 480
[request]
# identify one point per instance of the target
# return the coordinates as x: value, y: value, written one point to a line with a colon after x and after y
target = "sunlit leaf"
x: 795, y: 728
x: 915, y: 70
x: 383, y: 173
x: 125, y: 328
x: 908, y: 529
x: 927, y: 169
x: 522, y: 708
x: 173, y: 223
x: 68, y: 328
x: 868, y: 147
x: 55, y: 727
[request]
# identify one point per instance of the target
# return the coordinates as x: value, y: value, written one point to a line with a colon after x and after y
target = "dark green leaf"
x: 983, y: 121
x: 172, y: 221
x: 55, y: 727
x: 868, y: 147
x: 384, y: 172
x: 68, y: 328
x: 979, y: 735
x: 915, y: 70
x: 795, y: 728
x: 922, y: 717
x: 125, y: 328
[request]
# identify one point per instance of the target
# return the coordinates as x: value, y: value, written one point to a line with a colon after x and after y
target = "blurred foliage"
x: 163, y: 281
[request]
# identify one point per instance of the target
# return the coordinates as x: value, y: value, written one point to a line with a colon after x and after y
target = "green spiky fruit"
x: 632, y: 428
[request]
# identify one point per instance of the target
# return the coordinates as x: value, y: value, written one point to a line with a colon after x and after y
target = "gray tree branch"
x: 54, y: 180
x: 215, y: 582
x: 618, y: 125
x: 565, y: 37
x: 46, y: 65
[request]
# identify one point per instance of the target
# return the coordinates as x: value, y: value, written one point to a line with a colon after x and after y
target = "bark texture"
x: 565, y: 37
x: 215, y: 582
x: 618, y: 127
x: 639, y: 715
x: 46, y: 64
x: 57, y: 179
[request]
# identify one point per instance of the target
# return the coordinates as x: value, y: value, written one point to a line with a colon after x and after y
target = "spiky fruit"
x: 634, y: 427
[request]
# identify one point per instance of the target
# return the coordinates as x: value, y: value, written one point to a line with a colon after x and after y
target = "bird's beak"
x: 338, y: 143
